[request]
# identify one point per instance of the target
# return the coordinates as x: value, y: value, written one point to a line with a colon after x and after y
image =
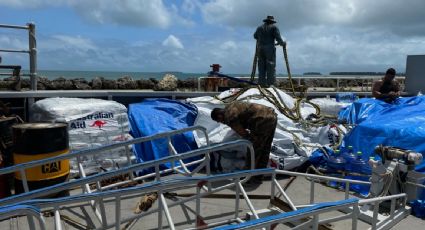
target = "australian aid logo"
x: 96, y: 120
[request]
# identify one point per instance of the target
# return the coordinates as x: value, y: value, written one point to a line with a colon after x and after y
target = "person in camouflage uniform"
x: 254, y: 122
x: 266, y: 35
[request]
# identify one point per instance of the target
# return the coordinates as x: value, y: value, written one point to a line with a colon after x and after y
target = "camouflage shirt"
x: 247, y: 115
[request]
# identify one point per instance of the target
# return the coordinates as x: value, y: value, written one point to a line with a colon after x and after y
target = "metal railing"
x: 29, y: 211
x: 78, y: 155
x: 367, y: 81
x: 32, y: 51
x: 373, y: 218
x: 349, y: 208
x: 116, y: 197
x: 95, y: 179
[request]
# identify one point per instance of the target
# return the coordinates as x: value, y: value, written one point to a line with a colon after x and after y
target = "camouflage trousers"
x: 262, y: 138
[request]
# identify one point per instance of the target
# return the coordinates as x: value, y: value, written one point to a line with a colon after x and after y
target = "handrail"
x: 321, y: 77
x: 130, y: 169
x: 104, y: 149
x: 159, y: 187
x: 14, y: 26
x: 27, y: 210
x: 101, y: 149
x: 32, y: 50
x: 349, y: 207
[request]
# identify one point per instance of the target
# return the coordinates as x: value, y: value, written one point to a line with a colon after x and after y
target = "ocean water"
x: 89, y: 75
x: 53, y: 74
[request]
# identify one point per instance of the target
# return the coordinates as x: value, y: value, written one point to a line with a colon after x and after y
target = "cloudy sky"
x: 189, y: 35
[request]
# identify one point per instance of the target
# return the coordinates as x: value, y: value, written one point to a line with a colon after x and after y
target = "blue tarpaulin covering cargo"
x: 152, y: 116
x: 400, y: 124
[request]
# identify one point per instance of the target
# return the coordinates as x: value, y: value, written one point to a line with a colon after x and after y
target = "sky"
x: 190, y: 35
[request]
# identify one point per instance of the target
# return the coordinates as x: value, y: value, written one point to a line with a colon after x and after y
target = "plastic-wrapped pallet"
x: 91, y: 123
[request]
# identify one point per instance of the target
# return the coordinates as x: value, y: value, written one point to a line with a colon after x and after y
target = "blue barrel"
x: 360, y: 166
x: 349, y: 156
x: 336, y: 162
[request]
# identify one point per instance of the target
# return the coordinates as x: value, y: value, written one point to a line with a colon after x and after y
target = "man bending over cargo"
x: 251, y: 121
x: 386, y: 89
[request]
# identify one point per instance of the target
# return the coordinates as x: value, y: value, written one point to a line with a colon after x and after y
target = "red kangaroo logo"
x: 98, y: 123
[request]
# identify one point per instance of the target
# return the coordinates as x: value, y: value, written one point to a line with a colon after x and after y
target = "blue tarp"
x: 152, y: 116
x: 400, y: 124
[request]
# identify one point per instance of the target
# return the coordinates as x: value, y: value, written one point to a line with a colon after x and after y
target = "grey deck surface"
x: 212, y: 210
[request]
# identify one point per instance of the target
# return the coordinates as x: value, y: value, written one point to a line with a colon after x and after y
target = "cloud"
x: 189, y: 6
x: 135, y: 13
x: 69, y: 42
x: 396, y: 16
x: 173, y: 42
x: 323, y: 36
x: 125, y: 12
x: 31, y: 4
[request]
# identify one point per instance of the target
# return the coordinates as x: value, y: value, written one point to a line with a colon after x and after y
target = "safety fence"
x: 343, y: 83
x: 179, y: 166
x: 365, y: 210
x: 32, y: 51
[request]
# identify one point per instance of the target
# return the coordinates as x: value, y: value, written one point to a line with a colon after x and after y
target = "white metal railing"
x: 116, y: 198
x: 172, y: 160
x: 366, y: 80
x: 78, y: 155
x: 84, y: 182
x: 32, y: 51
x: 373, y: 218
x: 29, y: 211
x: 353, y: 209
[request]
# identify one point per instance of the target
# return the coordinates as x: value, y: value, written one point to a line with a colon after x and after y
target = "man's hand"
x: 240, y: 130
x: 393, y: 94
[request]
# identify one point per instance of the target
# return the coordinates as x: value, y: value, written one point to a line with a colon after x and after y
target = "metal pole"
x: 254, y: 62
x: 33, y: 55
x: 237, y: 198
x: 117, y: 212
x: 13, y: 27
x: 337, y: 84
x: 312, y: 191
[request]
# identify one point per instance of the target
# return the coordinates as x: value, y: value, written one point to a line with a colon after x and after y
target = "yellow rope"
x: 293, y: 113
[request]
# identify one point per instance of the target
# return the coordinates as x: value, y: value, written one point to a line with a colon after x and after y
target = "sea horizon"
x: 111, y: 75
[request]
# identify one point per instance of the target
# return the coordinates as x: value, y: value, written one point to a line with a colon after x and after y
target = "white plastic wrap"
x: 91, y: 123
x: 329, y: 106
x: 284, y: 154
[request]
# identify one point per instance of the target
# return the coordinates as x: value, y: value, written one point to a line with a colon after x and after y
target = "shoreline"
x: 170, y: 82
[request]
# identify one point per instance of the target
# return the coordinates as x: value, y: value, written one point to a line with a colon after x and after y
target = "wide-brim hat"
x: 269, y: 19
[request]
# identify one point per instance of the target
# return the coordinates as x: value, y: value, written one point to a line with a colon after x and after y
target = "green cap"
x: 350, y: 147
x: 337, y: 151
x: 359, y: 152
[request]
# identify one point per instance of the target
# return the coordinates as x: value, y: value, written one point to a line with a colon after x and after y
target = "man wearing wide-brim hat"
x: 266, y: 35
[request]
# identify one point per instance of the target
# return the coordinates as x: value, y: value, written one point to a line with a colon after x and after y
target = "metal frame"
x: 373, y: 217
x: 105, y: 150
x: 32, y: 51
x: 98, y: 206
x: 30, y: 212
x: 115, y: 197
x: 85, y: 181
x: 338, y: 78
x: 235, y: 180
